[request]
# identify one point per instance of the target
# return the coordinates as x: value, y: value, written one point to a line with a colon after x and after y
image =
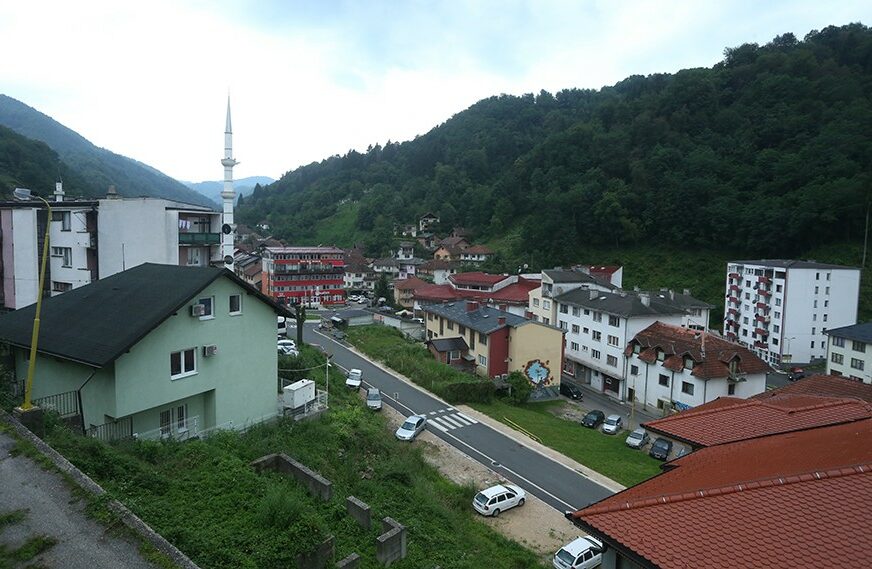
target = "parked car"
x: 581, y: 553
x: 661, y: 448
x: 638, y: 438
x: 571, y: 391
x: 613, y: 424
x: 593, y: 419
x: 287, y: 347
x: 410, y: 429
x: 354, y: 379
x: 373, y: 399
x: 796, y: 373
x: 339, y: 334
x: 491, y: 501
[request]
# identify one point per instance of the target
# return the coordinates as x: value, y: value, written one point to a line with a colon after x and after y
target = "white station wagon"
x: 582, y: 553
x: 491, y: 501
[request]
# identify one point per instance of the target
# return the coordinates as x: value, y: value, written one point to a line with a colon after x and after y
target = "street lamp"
x: 789, y: 354
x: 26, y: 195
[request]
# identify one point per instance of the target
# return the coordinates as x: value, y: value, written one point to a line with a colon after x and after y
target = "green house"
x: 154, y: 351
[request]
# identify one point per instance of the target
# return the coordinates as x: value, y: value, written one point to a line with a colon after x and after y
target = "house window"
x: 597, y: 316
x: 777, y: 302
x: 450, y: 325
x: 453, y: 355
x: 207, y: 303
x: 595, y: 354
x: 731, y: 389
x: 482, y: 360
x: 575, y: 329
x: 840, y: 342
x: 858, y: 346
x: 816, y: 289
x: 664, y: 380
x: 857, y: 363
x: 776, y: 328
x: 65, y: 253
x: 687, y: 387
x: 573, y: 346
x: 812, y: 344
x: 564, y: 325
x: 813, y: 329
x: 586, y: 312
x: 63, y: 217
x: 235, y: 304
x: 182, y: 417
x: 637, y: 348
x: 535, y: 302
x: 777, y: 288
x: 58, y: 286
x: 585, y: 330
x: 825, y: 317
x: 613, y: 340
x: 166, y: 421
x: 576, y: 311
x: 661, y: 355
x: 482, y: 339
x: 546, y: 304
x: 614, y: 320
x: 747, y: 296
x: 612, y: 361
x: 183, y: 363
x: 461, y: 329
x: 776, y: 314
x: 837, y: 358
x: 596, y: 335
x: 564, y: 309
x: 827, y: 290
x: 688, y: 363
x: 634, y: 370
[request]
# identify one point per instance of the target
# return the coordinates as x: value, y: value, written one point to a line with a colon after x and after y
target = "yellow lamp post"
x: 26, y: 195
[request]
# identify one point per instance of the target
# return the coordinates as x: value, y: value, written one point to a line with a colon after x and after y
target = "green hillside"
x: 26, y: 163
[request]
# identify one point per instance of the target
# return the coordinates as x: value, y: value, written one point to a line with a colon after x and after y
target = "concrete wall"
x: 20, y: 266
x: 316, y: 484
x: 391, y: 545
x: 318, y: 557
x: 360, y: 511
x: 133, y: 231
x: 534, y: 341
x: 350, y: 562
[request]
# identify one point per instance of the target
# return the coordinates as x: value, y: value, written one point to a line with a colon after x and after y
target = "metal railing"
x: 187, y: 429
x: 199, y: 238
x: 114, y: 431
x: 65, y: 404
x: 316, y: 405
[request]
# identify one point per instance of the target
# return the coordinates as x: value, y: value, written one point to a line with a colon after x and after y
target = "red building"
x: 311, y: 276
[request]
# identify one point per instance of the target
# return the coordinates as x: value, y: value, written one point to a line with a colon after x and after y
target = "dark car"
x: 571, y: 391
x: 796, y: 373
x: 593, y: 419
x: 661, y: 448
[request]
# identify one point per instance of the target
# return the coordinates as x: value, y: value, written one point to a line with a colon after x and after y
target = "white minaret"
x: 228, y: 195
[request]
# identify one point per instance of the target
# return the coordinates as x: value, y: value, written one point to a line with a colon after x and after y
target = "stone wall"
x: 316, y: 484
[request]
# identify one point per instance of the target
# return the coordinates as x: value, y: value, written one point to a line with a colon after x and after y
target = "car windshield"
x: 660, y: 443
x: 373, y: 396
x: 409, y: 426
x: 590, y: 416
x: 481, y: 499
x: 612, y: 421
x: 565, y: 556
x: 634, y: 435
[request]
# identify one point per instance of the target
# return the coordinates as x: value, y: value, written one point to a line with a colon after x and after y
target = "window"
x: 482, y: 360
x: 63, y: 217
x: 235, y: 304
x: 575, y: 329
x: 564, y: 325
x: 837, y: 358
x: 664, y: 380
x: 826, y: 304
x: 688, y: 362
x: 597, y: 316
x: 840, y: 342
x: 812, y: 344
x: 747, y: 296
x: 815, y: 304
x: 817, y: 276
x: 450, y: 325
x: 827, y: 290
x: 814, y: 317
x: 777, y: 288
x: 595, y: 354
x: 183, y: 363
x: 825, y: 317
x: 777, y: 302
x: 564, y: 309
x: 817, y: 289
x: 813, y: 330
x: 66, y: 253
x: 596, y: 335
x: 58, y: 286
x: 546, y: 304
x: 166, y: 420
x: 634, y: 370
x: 535, y: 302
x: 776, y: 315
x: 747, y: 283
x: 482, y: 339
x: 857, y: 363
x: 745, y: 320
x: 182, y: 417
x: 461, y: 329
x: 687, y: 387
x: 576, y: 311
x: 612, y: 361
x: 207, y: 303
x: 776, y: 328
x: 573, y: 346
x: 661, y: 355
x: 453, y: 355
x: 613, y: 340
x: 731, y: 389
x: 614, y: 320
x: 586, y: 312
x: 585, y: 330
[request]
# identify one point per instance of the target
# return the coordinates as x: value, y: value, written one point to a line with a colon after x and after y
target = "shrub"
x: 520, y: 388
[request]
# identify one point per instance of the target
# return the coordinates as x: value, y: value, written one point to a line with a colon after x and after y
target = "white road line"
x: 470, y: 419
x: 442, y: 423
x: 433, y: 412
x: 437, y: 425
x: 460, y: 420
x: 450, y: 421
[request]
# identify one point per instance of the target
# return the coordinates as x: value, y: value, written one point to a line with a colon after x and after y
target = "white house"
x: 599, y: 325
x: 781, y: 309
x: 671, y: 367
x: 849, y: 352
x: 556, y: 282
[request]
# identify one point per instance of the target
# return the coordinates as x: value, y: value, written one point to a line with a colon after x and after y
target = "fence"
x: 64, y: 404
x: 187, y: 429
x: 114, y: 431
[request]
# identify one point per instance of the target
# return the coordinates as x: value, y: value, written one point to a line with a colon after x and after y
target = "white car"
x: 287, y: 347
x: 411, y: 427
x: 491, y: 501
x: 637, y: 439
x: 354, y: 379
x: 613, y: 424
x: 582, y: 553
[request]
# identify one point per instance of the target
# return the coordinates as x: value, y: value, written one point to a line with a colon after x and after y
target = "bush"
x: 477, y: 391
x: 519, y: 388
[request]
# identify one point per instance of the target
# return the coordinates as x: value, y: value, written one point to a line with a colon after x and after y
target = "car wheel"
x: 496, y: 512
x: 521, y: 502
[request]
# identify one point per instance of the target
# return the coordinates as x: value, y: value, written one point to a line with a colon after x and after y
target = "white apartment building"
x: 556, y: 282
x: 93, y: 239
x: 849, y: 352
x: 671, y: 367
x: 781, y: 309
x: 599, y: 325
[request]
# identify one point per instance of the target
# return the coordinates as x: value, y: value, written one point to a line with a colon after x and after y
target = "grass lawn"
x: 606, y: 454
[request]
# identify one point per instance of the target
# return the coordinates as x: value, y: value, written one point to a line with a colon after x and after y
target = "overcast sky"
x: 307, y: 80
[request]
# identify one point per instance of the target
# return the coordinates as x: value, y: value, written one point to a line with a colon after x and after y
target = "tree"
x: 519, y: 388
x: 382, y: 290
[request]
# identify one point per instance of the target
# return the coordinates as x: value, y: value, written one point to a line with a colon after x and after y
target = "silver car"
x: 373, y: 399
x: 410, y: 429
x: 613, y: 424
x: 638, y: 438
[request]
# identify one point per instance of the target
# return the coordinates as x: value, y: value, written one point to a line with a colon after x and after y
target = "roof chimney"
x: 501, y: 320
x: 112, y: 193
x: 645, y: 298
x: 687, y: 292
x: 471, y: 305
x: 593, y: 293
x: 59, y: 191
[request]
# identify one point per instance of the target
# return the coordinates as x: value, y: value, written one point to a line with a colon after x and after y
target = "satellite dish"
x: 226, y: 229
x: 228, y: 259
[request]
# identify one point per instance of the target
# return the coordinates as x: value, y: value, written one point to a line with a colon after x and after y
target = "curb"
x: 83, y: 481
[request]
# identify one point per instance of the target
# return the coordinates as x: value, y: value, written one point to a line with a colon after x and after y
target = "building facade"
x: 849, y: 352
x: 781, y: 309
x: 311, y: 276
x: 556, y: 282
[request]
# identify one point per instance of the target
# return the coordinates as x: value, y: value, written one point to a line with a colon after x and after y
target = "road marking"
x: 450, y: 421
x: 470, y: 419
x: 437, y: 425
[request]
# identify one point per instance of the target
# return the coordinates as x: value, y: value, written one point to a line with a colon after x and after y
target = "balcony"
x: 734, y: 288
x: 761, y: 332
x: 308, y: 270
x: 199, y: 238
x: 762, y: 306
x: 764, y: 280
x: 734, y: 276
x: 765, y: 293
x: 733, y: 299
x: 763, y: 345
x: 732, y: 311
x: 761, y: 318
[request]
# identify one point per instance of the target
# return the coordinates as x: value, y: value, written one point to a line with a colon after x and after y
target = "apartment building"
x: 781, y: 309
x: 849, y: 352
x: 504, y: 292
x: 556, y: 282
x: 599, y: 325
x: 94, y: 239
x: 311, y: 276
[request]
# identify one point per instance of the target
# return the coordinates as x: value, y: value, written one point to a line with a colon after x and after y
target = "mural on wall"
x: 538, y: 373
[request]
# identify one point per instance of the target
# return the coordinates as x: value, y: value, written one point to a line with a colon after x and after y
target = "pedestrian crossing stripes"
x: 448, y: 421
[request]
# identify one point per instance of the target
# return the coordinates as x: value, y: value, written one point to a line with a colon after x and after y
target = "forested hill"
x: 97, y: 168
x: 27, y: 163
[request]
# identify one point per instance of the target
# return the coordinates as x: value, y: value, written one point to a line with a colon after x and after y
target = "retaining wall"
x: 316, y: 484
x: 391, y: 545
x: 359, y: 511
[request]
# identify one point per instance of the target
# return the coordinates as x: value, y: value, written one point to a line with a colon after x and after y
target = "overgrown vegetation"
x: 412, y: 359
x: 204, y: 497
x: 27, y: 551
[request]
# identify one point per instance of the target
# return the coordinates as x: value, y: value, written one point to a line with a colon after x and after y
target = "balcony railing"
x: 734, y: 275
x: 187, y: 429
x: 65, y: 404
x: 114, y: 431
x: 199, y: 238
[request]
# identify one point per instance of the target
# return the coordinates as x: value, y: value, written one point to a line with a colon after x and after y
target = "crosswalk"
x: 449, y: 419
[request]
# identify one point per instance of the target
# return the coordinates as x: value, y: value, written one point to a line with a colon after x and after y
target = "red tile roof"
x: 713, y: 363
x: 730, y: 419
x: 799, y: 500
x: 825, y: 386
x: 412, y: 283
x: 479, y: 250
x: 477, y: 278
x: 515, y: 293
x: 436, y: 293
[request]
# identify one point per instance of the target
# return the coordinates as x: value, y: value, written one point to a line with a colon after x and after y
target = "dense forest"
x: 26, y: 163
x: 768, y: 153
x: 88, y: 170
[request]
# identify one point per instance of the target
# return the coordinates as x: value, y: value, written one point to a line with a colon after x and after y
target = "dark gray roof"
x: 97, y: 323
x: 622, y: 303
x: 449, y: 344
x: 859, y: 332
x: 680, y: 299
x: 791, y: 264
x: 562, y: 276
x: 483, y: 319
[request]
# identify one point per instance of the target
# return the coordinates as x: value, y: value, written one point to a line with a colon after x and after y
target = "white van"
x: 283, y: 326
x: 582, y: 553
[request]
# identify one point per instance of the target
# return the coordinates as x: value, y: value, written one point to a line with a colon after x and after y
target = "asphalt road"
x: 557, y: 485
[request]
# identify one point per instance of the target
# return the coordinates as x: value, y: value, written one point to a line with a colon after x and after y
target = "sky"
x: 308, y: 80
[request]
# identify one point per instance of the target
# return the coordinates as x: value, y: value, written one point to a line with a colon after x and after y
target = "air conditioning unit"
x: 210, y: 350
x: 198, y: 310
